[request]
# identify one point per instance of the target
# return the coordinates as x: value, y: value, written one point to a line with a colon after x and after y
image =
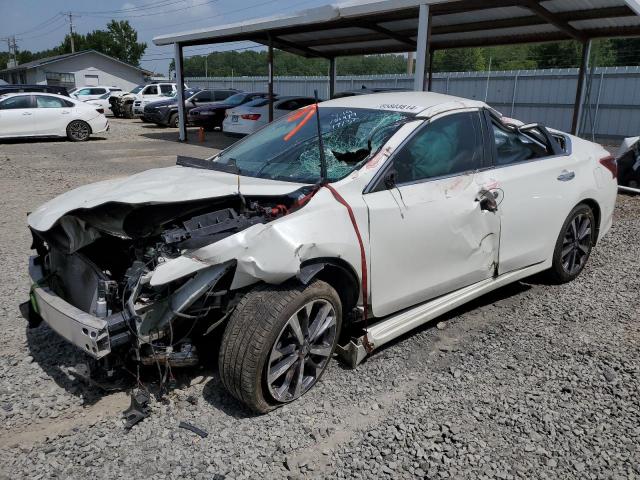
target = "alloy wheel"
x: 302, y: 351
x: 576, y: 244
x: 79, y: 130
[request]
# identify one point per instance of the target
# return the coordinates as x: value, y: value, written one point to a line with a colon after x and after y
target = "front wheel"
x: 78, y: 131
x: 278, y: 343
x: 173, y: 120
x: 574, y: 244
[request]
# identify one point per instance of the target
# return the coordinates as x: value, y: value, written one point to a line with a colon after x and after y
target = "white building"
x: 80, y: 69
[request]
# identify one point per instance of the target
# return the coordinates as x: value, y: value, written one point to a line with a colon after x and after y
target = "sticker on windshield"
x: 307, y: 112
x: 400, y: 107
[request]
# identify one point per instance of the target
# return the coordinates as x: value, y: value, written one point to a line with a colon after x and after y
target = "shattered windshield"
x: 287, y: 149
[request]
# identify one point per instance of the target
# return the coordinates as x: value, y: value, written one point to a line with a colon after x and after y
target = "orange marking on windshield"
x: 309, y: 111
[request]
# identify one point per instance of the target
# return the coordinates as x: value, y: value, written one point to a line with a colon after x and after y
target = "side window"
x: 166, y: 89
x: 150, y: 90
x: 23, y: 101
x: 97, y: 91
x: 83, y: 91
x: 222, y: 95
x: 446, y: 146
x: 50, y: 102
x: 203, y: 97
x: 513, y: 147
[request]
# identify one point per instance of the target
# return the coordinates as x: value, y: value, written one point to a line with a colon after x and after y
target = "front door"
x: 16, y: 116
x: 51, y: 116
x: 433, y: 224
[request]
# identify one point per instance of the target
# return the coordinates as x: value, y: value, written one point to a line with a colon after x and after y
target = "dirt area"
x: 532, y: 381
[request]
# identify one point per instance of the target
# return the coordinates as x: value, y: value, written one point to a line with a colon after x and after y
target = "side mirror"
x: 390, y: 179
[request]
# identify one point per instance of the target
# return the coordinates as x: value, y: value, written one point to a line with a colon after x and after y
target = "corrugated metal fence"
x: 612, y: 103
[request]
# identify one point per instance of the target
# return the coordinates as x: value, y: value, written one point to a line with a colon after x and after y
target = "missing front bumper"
x: 94, y: 335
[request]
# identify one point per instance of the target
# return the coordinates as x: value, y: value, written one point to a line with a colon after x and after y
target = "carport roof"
x: 388, y: 26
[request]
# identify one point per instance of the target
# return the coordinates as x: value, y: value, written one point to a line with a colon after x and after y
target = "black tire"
x: 573, y: 247
x: 127, y: 111
x: 173, y: 120
x: 257, y: 323
x: 78, y: 131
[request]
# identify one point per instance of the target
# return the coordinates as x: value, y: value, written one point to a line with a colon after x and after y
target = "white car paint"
x: 151, y: 93
x: 429, y: 246
x: 48, y: 115
x: 251, y: 117
x: 102, y: 102
x: 93, y: 93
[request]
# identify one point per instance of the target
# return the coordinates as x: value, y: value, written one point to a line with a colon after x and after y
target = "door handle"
x: 27, y: 113
x: 566, y: 175
x: 66, y: 112
x: 487, y: 201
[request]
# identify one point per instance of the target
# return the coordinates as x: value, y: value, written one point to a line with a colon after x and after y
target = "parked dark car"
x: 211, y: 116
x: 33, y: 88
x: 165, y: 112
x: 366, y: 91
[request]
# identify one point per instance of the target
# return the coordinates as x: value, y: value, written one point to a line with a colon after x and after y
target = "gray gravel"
x: 533, y: 381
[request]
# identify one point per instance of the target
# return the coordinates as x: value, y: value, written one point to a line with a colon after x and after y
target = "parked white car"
x: 92, y: 93
x: 102, y: 102
x: 151, y: 93
x: 250, y: 117
x: 49, y: 115
x: 287, y: 248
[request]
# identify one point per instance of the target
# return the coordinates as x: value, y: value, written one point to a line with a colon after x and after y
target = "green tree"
x: 119, y: 40
x: 458, y: 60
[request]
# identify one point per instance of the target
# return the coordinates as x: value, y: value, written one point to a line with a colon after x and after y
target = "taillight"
x: 100, y: 110
x: 610, y: 164
x: 250, y: 116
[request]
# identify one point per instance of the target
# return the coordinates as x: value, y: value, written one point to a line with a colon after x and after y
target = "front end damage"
x: 98, y: 279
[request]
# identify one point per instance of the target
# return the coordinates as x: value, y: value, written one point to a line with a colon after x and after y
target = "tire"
x: 574, y: 245
x: 260, y: 336
x: 127, y: 111
x: 78, y: 131
x: 173, y: 120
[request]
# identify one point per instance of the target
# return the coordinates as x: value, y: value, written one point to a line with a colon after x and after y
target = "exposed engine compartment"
x: 100, y: 261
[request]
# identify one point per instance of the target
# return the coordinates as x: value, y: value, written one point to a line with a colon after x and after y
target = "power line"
x: 164, y: 12
x: 42, y: 25
x: 149, y: 6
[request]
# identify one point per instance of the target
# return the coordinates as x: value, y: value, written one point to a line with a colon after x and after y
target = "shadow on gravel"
x: 55, y: 356
x: 216, y: 140
x: 503, y: 293
x: 217, y: 396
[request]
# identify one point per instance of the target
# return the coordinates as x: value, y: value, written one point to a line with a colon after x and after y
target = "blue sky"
x: 38, y: 24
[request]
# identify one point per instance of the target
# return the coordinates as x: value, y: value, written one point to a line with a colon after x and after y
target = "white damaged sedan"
x: 290, y: 246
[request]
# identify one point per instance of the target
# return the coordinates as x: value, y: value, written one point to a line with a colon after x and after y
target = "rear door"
x: 51, y: 115
x: 16, y: 116
x: 534, y: 185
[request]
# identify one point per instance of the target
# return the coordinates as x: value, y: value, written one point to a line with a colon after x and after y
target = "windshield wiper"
x: 207, y: 164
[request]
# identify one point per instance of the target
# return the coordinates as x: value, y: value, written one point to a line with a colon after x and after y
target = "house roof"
x: 387, y: 26
x: 56, y: 58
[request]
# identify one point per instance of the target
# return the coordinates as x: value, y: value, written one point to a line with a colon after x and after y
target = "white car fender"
x: 274, y: 252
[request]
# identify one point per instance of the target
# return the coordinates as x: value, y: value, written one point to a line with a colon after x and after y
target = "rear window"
x: 259, y: 102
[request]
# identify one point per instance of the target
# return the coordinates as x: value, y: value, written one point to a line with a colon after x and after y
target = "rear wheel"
x: 574, y: 244
x: 78, y: 131
x: 278, y: 343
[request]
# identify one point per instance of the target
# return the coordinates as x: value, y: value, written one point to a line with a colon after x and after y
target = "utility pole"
x: 73, y: 47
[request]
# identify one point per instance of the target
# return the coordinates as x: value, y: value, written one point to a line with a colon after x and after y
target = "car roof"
x: 44, y: 94
x: 412, y: 102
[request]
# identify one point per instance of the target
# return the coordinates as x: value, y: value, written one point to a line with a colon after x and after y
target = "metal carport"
x: 394, y: 26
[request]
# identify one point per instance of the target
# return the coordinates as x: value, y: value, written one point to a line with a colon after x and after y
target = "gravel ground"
x: 532, y: 381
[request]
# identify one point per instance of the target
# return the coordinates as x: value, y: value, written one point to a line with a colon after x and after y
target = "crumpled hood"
x: 160, y: 185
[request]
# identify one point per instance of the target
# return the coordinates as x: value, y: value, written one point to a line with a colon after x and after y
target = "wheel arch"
x: 339, y: 274
x: 79, y: 120
x: 597, y: 214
